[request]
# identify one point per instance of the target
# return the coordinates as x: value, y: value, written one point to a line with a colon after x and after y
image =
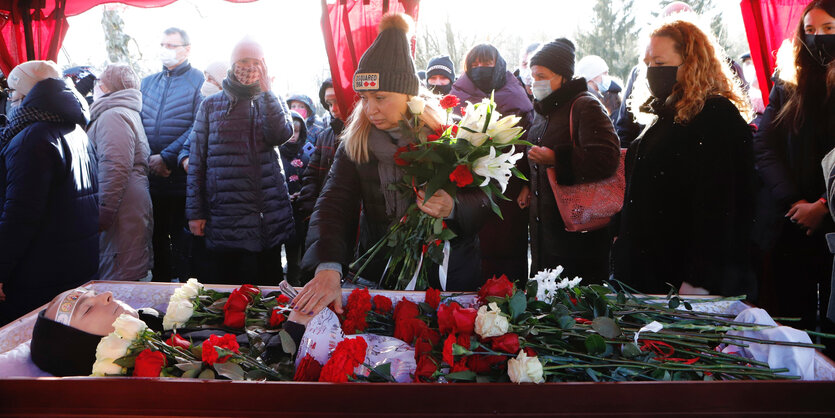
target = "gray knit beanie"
x: 387, y: 64
x: 557, y: 56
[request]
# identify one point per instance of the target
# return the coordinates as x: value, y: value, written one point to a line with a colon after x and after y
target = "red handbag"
x: 589, y: 206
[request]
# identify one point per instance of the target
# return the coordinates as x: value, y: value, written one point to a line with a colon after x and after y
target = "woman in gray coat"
x: 125, y: 214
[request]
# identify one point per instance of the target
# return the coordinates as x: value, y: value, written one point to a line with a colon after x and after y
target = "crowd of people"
x: 209, y: 174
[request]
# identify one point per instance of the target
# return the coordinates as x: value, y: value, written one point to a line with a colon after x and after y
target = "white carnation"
x: 524, y: 369
x: 490, y: 323
x: 128, y: 327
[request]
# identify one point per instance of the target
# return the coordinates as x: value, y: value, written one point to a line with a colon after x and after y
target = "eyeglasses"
x: 171, y: 46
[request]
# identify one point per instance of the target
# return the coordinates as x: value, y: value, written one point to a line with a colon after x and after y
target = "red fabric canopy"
x: 768, y: 23
x: 349, y: 28
x: 48, y: 21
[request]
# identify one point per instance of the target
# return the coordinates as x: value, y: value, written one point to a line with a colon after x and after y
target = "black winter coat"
x: 593, y: 155
x: 49, y: 214
x: 234, y: 178
x: 688, y: 207
x: 319, y: 166
x: 353, y: 193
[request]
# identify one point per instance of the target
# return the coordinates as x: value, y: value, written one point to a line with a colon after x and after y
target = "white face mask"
x: 541, y: 89
x: 168, y: 57
x: 208, y: 89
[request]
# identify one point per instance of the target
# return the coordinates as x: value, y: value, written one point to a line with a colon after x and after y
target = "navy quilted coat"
x: 49, y: 214
x: 169, y: 104
x: 234, y: 178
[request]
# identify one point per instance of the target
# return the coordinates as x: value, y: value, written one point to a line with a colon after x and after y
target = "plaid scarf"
x: 21, y: 117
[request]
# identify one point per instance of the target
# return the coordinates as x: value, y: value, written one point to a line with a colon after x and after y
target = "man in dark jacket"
x: 169, y: 105
x: 48, y: 187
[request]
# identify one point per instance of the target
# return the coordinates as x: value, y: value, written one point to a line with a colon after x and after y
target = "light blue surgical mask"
x: 541, y: 89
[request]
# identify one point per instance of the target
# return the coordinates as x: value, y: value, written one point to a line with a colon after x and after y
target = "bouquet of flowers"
x: 193, y: 306
x: 477, y: 152
x: 134, y: 350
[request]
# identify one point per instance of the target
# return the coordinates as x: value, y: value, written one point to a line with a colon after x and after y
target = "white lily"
x: 496, y: 167
x: 471, y: 127
x: 505, y: 129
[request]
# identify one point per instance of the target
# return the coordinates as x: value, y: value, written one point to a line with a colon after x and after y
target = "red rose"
x: 426, y: 367
x: 149, y: 363
x: 463, y: 340
x: 449, y: 101
x: 508, y: 343
x: 276, y: 319
x: 461, y: 176
x: 382, y: 304
x: 426, y: 342
x: 445, y: 323
x: 399, y: 161
x: 308, y: 370
x: 453, y: 318
x: 250, y: 290
x: 432, y: 298
x: 480, y: 363
x: 282, y: 299
x: 228, y: 342
x: 454, y: 130
x: 460, y: 366
x: 408, y: 329
x: 529, y: 351
x: 501, y: 287
x: 175, y: 340
x: 237, y: 301
x: 234, y: 319
x: 430, y: 335
x: 447, y: 353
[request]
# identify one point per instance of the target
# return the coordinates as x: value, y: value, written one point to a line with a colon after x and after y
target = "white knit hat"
x: 590, y: 67
x: 23, y: 77
x: 218, y: 70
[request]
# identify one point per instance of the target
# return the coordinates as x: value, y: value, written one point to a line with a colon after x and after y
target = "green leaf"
x: 230, y: 370
x: 467, y: 375
x: 566, y: 322
x: 674, y: 302
x: 127, y: 362
x: 191, y: 374
x: 532, y: 288
x: 256, y: 375
x: 189, y: 366
x: 630, y: 350
x: 206, y: 374
x: 458, y: 350
x: 595, y: 344
x: 621, y: 298
x: 688, y: 306
x: 518, y: 304
x: 606, y: 327
x: 287, y: 343
x: 438, y: 226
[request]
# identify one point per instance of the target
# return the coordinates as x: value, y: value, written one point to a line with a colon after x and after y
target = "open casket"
x: 151, y: 396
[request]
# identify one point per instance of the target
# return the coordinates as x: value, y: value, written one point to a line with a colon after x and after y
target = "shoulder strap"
x: 571, y: 118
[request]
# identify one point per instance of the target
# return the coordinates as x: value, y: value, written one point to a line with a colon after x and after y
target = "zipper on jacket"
x: 167, y: 76
x: 253, y: 114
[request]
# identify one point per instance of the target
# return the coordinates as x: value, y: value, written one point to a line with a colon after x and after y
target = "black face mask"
x: 821, y: 47
x: 661, y: 81
x: 482, y: 77
x: 442, y: 89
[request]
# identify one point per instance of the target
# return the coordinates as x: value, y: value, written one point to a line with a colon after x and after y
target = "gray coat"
x: 125, y: 212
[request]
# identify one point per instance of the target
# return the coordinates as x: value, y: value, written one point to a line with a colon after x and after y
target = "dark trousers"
x: 169, y: 238
x: 238, y: 267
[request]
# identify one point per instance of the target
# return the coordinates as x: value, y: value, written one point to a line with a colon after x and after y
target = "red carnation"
x: 426, y: 342
x: 461, y: 176
x: 228, y: 342
x: 175, y: 340
x: 480, y: 363
x: 449, y: 101
x: 276, y: 319
x: 447, y: 353
x: 347, y: 355
x: 149, y: 363
x: 234, y: 319
x: 499, y: 287
x: 382, y: 304
x: 425, y: 369
x: 460, y: 366
x: 308, y: 370
x: 357, y: 307
x: 408, y: 329
x: 282, y: 299
x: 432, y: 298
x: 405, y: 309
x: 508, y: 343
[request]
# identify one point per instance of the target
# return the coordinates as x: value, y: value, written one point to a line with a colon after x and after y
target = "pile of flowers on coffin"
x: 555, y: 331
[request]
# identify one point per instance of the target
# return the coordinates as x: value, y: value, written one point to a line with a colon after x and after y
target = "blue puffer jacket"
x: 48, y: 205
x: 170, y: 100
x: 234, y: 178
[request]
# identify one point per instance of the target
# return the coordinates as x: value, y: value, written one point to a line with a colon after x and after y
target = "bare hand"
x: 158, y: 167
x: 688, y: 289
x: 319, y: 293
x: 808, y: 216
x: 542, y: 155
x: 197, y: 227
x: 185, y: 164
x: 265, y: 77
x: 440, y: 205
x: 524, y: 198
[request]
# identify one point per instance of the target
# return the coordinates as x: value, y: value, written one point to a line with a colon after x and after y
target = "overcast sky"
x: 290, y: 31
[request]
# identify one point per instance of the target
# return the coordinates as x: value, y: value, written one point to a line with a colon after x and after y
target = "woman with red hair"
x: 688, y: 206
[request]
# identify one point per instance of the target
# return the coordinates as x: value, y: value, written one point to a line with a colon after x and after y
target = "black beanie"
x: 387, y: 64
x: 61, y: 349
x: 441, y: 65
x: 557, y: 56
x: 327, y: 84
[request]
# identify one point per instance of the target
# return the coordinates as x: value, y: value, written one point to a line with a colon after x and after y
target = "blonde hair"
x: 705, y: 72
x: 356, y: 132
